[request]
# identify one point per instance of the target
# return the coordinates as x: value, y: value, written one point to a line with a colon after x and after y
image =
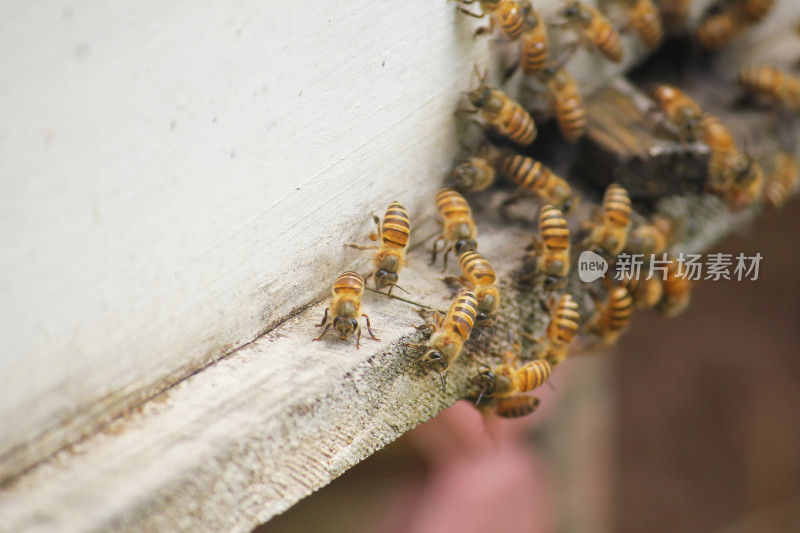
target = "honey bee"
x: 346, y: 304
x: 772, y: 82
x: 783, y: 180
x: 516, y: 406
x: 391, y: 255
x: 614, y: 316
x: 564, y: 318
x: 646, y: 293
x: 480, y: 278
x: 594, y: 29
x: 503, y: 114
x: 677, y: 291
x: 754, y: 10
x: 650, y: 238
x: 505, y: 13
x: 569, y: 108
x: 680, y: 110
x: 459, y: 229
x: 535, y: 41
x: 477, y: 173
x: 532, y: 176
x: 744, y: 181
x: 552, y: 247
x: 612, y: 232
x: 717, y: 30
x: 508, y: 379
x: 645, y: 17
x: 449, y: 335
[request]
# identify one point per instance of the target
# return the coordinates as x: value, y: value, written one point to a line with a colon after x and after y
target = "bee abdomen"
x: 516, y: 406
x: 452, y: 205
x: 527, y: 173
x: 348, y: 283
x: 649, y: 27
x: 564, y: 325
x: 463, y: 313
x: 553, y: 228
x: 617, y: 206
x: 396, y: 227
x: 534, y: 374
x: 620, y: 309
x: 609, y: 42
x: 510, y: 19
x: 519, y: 127
x: 477, y: 268
x: 783, y: 181
x: 571, y: 116
x: 717, y: 30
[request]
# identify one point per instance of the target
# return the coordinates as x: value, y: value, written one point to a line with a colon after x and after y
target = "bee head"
x: 434, y: 360
x: 464, y: 175
x: 485, y: 320
x: 553, y: 282
x: 487, y: 381
x: 465, y: 245
x: 571, y: 11
x: 567, y: 205
x: 384, y: 278
x: 345, y: 326
x: 480, y: 96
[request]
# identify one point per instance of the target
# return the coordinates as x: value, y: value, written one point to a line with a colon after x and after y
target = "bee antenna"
x: 401, y: 288
x: 479, y: 398
x: 441, y: 376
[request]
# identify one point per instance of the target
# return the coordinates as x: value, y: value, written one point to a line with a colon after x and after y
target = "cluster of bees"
x: 733, y: 175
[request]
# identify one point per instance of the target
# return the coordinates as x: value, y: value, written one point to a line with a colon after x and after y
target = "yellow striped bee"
x: 459, y: 229
x: 568, y: 103
x: 564, y: 323
x: 391, y: 255
x: 479, y: 276
x: 501, y: 113
x: 508, y: 379
x: 715, y: 31
x: 680, y: 110
x: 449, y: 335
x: 772, y: 82
x: 505, y: 13
x: 645, y: 17
x: 646, y: 293
x: 594, y: 29
x: 783, y: 180
x: 614, y: 315
x: 346, y: 305
x: 552, y: 247
x: 535, y: 42
x: 478, y: 172
x: 611, y: 233
x: 531, y: 176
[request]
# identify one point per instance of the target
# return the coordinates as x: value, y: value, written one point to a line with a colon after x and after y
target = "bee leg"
x: 369, y: 328
x: 485, y: 29
x: 324, y: 319
x: 358, y: 337
x: 359, y: 247
x: 324, y: 331
x: 435, y: 243
x: 446, y: 253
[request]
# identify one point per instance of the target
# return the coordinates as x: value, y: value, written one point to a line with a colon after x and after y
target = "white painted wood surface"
x: 177, y: 179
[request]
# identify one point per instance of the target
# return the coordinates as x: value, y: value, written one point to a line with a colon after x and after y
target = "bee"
x: 594, y: 29
x: 744, y: 181
x: 614, y: 316
x: 459, y: 229
x: 477, y: 173
x: 646, y: 293
x: 503, y: 114
x: 391, y: 255
x: 754, y: 10
x: 552, y: 247
x: 449, y: 335
x: 612, y: 232
x: 531, y: 176
x: 773, y: 82
x: 535, y: 41
x: 346, y: 304
x: 783, y: 180
x: 677, y: 291
x: 645, y: 17
x: 508, y: 379
x: 479, y: 277
x: 651, y: 238
x: 505, y: 13
x: 569, y: 108
x: 564, y: 318
x: 717, y: 30
x: 680, y: 110
x: 516, y: 406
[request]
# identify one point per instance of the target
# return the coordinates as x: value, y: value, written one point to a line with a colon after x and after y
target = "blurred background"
x: 689, y: 424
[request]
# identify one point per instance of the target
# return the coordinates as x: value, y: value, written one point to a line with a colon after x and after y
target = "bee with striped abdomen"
x: 564, y: 323
x: 613, y: 316
x: 509, y: 379
x: 391, y: 255
x: 781, y: 86
x: 567, y: 101
x: 783, y: 180
x: 611, y: 233
x: 516, y: 406
x: 594, y: 29
x: 477, y: 172
x: 646, y: 293
x: 552, y: 247
x: 535, y: 42
x: 505, y: 13
x: 680, y: 110
x: 501, y: 113
x: 531, y: 176
x: 346, y: 305
x: 645, y: 18
x: 715, y: 31
x: 459, y: 230
x: 449, y: 335
x: 480, y: 278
